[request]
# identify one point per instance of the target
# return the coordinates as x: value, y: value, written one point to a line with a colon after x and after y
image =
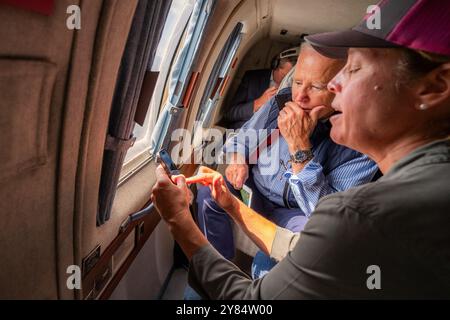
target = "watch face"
x: 299, y: 156
x: 302, y: 156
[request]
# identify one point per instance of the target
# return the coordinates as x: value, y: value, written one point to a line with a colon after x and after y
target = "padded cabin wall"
x: 148, y: 272
x: 97, y: 54
x: 47, y: 78
x: 34, y: 53
x: 77, y: 90
x: 109, y: 47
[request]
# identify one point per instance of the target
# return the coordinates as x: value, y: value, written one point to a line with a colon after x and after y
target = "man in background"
x: 257, y: 87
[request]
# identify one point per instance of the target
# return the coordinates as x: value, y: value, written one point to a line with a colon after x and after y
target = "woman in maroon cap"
x: 387, y: 239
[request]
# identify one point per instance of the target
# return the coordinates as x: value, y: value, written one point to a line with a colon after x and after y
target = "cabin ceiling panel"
x: 306, y: 16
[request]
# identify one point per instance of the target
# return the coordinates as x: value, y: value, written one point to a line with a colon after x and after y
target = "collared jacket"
x: 388, y: 239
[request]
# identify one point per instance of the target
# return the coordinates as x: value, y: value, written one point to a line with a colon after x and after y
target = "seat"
x: 287, y: 80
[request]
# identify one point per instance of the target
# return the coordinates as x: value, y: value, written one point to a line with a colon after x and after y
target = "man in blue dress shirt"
x: 293, y: 172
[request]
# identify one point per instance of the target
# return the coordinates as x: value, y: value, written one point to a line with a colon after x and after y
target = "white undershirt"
x: 272, y: 82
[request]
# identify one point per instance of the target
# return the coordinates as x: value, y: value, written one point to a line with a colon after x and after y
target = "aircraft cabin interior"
x: 90, y: 92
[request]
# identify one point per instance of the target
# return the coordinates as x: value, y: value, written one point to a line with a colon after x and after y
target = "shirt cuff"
x: 283, y: 243
x: 308, y: 175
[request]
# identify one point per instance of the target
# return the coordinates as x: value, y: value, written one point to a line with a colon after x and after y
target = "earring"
x: 423, y: 107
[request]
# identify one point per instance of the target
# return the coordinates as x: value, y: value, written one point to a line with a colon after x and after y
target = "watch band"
x: 302, y: 156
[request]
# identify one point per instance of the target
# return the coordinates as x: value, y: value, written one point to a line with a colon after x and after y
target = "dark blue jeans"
x: 216, y: 225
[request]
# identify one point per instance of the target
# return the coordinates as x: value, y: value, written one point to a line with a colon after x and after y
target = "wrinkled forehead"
x: 316, y: 68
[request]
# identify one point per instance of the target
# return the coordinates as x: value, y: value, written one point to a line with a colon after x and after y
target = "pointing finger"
x: 205, y: 178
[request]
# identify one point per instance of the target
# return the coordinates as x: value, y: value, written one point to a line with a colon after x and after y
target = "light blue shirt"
x: 334, y: 168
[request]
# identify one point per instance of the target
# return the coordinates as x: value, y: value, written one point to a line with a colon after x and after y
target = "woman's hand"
x: 219, y: 189
x: 171, y: 197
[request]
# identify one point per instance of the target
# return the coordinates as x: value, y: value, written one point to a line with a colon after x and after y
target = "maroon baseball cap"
x: 415, y: 24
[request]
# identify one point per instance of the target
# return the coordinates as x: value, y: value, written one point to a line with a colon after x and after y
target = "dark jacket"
x: 252, y: 86
x: 387, y: 240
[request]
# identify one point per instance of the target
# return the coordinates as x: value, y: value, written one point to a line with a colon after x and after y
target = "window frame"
x: 180, y: 76
x: 217, y: 79
x: 143, y: 38
x: 139, y: 155
x: 215, y: 85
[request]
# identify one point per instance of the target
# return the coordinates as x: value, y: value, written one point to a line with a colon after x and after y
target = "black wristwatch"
x: 302, y: 156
